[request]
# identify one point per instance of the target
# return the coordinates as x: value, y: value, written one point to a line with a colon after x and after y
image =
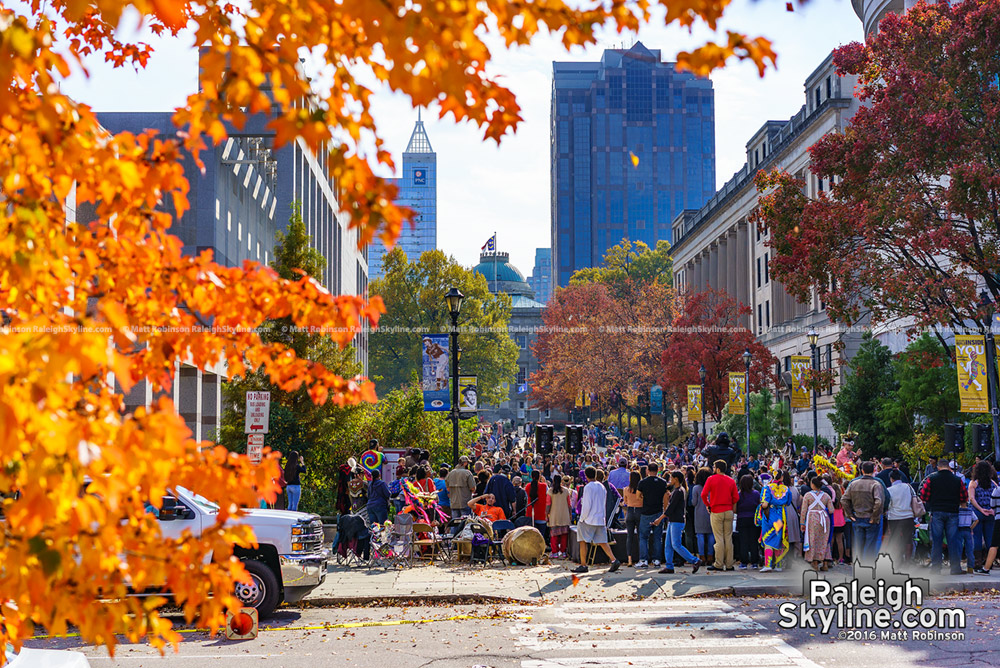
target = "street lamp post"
x: 813, y: 339
x: 701, y: 374
x: 454, y: 299
x: 991, y: 371
x: 747, y: 356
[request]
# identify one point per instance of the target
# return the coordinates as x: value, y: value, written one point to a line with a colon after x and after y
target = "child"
x: 966, y: 522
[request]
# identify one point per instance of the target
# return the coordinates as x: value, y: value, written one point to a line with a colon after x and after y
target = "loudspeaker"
x: 544, y: 435
x: 574, y: 439
x: 954, y: 438
x: 982, y: 438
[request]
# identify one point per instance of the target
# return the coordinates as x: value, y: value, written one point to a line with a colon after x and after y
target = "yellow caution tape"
x: 346, y: 625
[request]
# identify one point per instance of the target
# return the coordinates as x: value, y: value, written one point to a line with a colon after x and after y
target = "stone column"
x: 188, y: 399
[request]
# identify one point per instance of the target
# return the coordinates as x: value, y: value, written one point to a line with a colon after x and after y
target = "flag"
x: 801, y: 366
x: 970, y: 359
x: 737, y: 392
x: 491, y: 244
x: 694, y: 403
x: 522, y: 388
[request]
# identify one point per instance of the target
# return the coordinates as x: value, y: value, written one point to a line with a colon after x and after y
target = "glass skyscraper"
x: 418, y: 191
x: 541, y: 276
x: 628, y: 104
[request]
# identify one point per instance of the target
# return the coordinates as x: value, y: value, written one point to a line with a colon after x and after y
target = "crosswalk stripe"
x: 653, y: 626
x: 677, y: 661
x: 670, y: 604
x: 650, y: 614
x: 600, y: 644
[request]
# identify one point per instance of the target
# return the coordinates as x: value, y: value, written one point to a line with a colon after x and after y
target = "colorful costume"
x: 771, y: 521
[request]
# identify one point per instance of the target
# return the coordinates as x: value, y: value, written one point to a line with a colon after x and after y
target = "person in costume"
x: 770, y: 517
x: 815, y: 514
x: 846, y: 454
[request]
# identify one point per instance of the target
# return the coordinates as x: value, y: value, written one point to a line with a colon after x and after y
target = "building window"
x: 239, y: 231
x: 829, y: 88
x: 756, y: 158
x: 249, y: 242
x: 829, y: 364
x: 767, y: 313
x: 522, y: 341
x: 758, y: 272
x: 817, y: 97
x: 788, y: 362
x: 760, y: 319
x: 820, y: 183
x: 767, y: 272
x: 229, y: 221
x: 522, y: 375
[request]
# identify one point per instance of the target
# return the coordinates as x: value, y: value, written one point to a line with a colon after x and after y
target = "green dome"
x: 501, y: 275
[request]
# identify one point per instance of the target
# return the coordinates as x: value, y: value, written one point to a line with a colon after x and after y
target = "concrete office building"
x: 243, y: 197
x: 630, y: 103
x: 418, y: 191
x: 717, y: 247
x: 540, y: 280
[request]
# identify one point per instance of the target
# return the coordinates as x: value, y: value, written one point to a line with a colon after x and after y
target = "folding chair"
x: 401, y: 539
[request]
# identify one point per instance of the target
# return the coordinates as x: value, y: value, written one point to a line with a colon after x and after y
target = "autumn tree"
x: 909, y: 227
x: 710, y: 331
x: 86, y: 307
x: 413, y: 292
x: 629, y: 263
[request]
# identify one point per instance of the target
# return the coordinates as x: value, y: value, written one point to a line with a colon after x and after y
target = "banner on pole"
x: 655, y: 400
x: 737, y: 392
x: 435, y: 379
x: 801, y: 365
x: 970, y: 358
x: 694, y: 403
x: 468, y: 394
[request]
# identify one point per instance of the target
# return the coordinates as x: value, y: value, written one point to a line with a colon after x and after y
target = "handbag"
x: 916, y: 505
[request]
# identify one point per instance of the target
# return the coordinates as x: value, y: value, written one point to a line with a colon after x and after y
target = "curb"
x: 393, y: 600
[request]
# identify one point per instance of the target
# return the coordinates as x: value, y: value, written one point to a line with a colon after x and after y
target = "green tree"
x: 413, y: 293
x: 627, y: 263
x: 926, y: 394
x: 870, y: 383
x: 296, y: 422
x: 768, y: 423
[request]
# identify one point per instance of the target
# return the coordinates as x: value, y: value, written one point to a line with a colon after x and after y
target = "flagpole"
x: 495, y: 251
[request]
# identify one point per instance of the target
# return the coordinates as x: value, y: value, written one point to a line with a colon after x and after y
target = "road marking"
x: 635, y: 614
x: 181, y: 657
x: 675, y: 661
x: 600, y: 644
x: 653, y: 626
x: 671, y: 604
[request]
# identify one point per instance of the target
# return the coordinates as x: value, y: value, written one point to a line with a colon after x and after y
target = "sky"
x: 483, y: 188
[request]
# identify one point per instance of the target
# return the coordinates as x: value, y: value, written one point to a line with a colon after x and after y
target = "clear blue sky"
x: 483, y: 188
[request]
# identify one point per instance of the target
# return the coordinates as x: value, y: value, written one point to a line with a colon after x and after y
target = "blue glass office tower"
x: 417, y: 190
x: 629, y: 103
x: 541, y: 276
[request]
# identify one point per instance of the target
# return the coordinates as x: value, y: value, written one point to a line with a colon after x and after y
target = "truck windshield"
x: 200, y: 501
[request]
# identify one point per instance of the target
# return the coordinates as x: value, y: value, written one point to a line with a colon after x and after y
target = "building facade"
x: 717, y: 247
x: 632, y: 144
x: 540, y: 280
x: 241, y: 199
x: 418, y: 191
x: 525, y: 321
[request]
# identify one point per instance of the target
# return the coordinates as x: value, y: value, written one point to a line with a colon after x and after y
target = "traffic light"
x: 982, y: 438
x: 954, y: 437
x: 544, y: 435
x: 574, y: 439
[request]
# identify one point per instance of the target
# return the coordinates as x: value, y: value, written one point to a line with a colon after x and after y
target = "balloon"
x: 372, y: 461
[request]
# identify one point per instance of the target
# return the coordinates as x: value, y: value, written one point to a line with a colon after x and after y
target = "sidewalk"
x: 554, y: 583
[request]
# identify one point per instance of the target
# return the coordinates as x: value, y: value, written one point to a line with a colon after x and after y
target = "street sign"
x: 255, y: 447
x: 258, y: 411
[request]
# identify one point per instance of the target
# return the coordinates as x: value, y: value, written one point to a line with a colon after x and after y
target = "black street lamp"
x: 454, y: 299
x: 991, y: 369
x: 701, y: 374
x: 813, y: 339
x: 747, y: 356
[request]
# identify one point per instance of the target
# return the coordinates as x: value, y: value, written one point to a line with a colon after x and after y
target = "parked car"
x: 44, y: 658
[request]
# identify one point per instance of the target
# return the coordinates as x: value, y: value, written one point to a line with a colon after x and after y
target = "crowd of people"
x: 704, y: 504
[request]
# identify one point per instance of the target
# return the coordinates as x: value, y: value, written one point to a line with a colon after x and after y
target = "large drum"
x: 524, y: 545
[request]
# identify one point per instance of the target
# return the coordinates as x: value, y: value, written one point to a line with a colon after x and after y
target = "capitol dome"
x: 502, y: 276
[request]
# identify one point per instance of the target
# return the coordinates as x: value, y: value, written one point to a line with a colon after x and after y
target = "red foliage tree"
x: 912, y: 226
x: 709, y: 331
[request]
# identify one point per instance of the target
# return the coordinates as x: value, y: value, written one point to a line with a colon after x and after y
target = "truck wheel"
x: 264, y: 591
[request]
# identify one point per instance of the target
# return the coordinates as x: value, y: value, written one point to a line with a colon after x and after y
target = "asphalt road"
x: 667, y: 633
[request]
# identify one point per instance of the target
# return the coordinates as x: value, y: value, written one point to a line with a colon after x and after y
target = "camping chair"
x: 401, y: 539
x: 432, y: 542
x: 383, y: 554
x: 609, y: 522
x: 500, y: 529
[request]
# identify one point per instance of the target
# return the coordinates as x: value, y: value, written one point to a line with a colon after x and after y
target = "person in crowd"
x: 378, y: 500
x: 753, y: 465
x: 966, y: 523
x: 592, y: 525
x: 888, y: 466
x: 619, y: 478
x: 612, y: 498
x: 747, y: 549
x: 723, y: 449
x: 443, y: 500
x: 558, y: 518
x: 673, y: 514
x: 863, y: 503
x: 654, y: 497
x: 802, y: 465
x: 773, y: 521
x: 487, y: 508
x: 980, y: 494
x: 814, y: 517
x: 794, y: 529
x: 482, y: 479
x: 899, y: 518
x: 942, y: 493
x: 704, y: 537
x: 840, y: 532
x: 420, y: 478
x: 721, y: 496
x: 295, y: 466
x: 461, y: 486
x: 932, y: 466
x: 538, y: 503
x: 520, y: 516
x: 633, y: 511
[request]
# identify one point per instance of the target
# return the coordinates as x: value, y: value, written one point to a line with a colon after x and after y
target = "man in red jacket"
x: 720, y: 495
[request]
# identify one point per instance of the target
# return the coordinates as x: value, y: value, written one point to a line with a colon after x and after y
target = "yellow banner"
x: 970, y: 358
x: 694, y: 403
x: 737, y: 392
x: 801, y: 366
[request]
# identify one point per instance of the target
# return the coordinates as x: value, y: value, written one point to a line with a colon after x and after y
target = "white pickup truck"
x: 289, y: 562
